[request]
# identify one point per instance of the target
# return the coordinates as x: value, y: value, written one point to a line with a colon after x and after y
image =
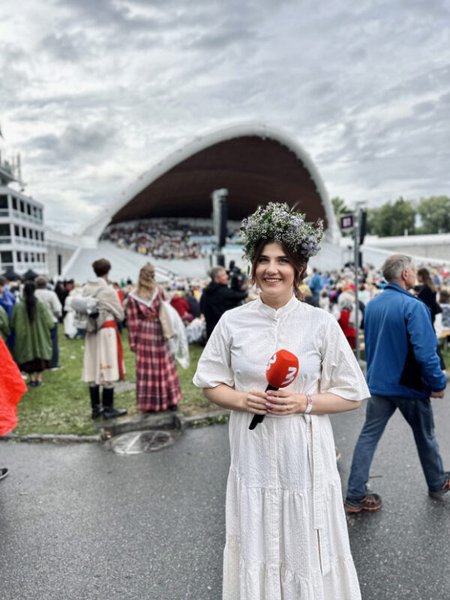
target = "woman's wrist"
x: 304, y: 404
x: 309, y: 404
x: 242, y: 402
x: 301, y: 404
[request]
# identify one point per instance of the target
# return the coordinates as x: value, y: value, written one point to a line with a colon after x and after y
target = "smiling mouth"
x: 267, y: 280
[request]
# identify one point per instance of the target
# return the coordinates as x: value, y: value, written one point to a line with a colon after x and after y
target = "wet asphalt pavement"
x: 78, y: 522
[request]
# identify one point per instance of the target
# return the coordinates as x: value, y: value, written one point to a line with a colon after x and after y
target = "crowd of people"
x: 165, y: 238
x: 33, y: 335
x: 161, y: 238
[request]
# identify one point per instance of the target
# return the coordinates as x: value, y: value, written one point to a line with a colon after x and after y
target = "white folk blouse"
x: 286, y: 532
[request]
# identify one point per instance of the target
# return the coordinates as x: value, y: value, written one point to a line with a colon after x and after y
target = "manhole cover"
x: 137, y: 442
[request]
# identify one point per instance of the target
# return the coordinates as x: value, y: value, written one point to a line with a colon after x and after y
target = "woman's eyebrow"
x: 266, y: 256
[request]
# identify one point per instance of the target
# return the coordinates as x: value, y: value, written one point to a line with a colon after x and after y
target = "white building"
x: 22, y: 231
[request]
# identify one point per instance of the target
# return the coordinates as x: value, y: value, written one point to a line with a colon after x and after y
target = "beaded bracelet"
x: 309, y: 404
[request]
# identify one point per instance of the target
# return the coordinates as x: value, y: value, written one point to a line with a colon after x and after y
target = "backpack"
x: 87, y: 312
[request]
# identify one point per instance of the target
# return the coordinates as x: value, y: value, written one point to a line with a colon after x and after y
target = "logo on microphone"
x: 272, y: 361
x: 282, y: 369
x: 290, y: 376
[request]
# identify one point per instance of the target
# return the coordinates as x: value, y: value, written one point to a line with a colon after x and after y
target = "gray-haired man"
x: 403, y: 371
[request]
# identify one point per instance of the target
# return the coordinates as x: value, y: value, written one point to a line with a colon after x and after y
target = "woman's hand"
x: 285, y: 402
x: 255, y: 402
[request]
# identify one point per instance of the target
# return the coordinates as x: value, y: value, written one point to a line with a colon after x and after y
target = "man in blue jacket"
x: 403, y: 371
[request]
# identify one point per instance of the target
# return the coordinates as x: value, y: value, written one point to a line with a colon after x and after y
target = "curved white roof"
x: 94, y: 229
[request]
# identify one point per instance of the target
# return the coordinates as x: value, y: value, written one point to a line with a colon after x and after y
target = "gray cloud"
x: 66, y: 46
x: 364, y: 89
x: 77, y: 142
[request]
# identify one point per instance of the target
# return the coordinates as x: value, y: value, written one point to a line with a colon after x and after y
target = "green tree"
x: 392, y: 219
x: 435, y: 214
x: 339, y: 207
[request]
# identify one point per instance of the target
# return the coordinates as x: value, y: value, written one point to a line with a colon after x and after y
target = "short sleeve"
x: 341, y: 374
x: 214, y: 366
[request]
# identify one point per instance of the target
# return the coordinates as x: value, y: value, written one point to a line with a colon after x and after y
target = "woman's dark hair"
x: 101, y: 267
x: 424, y: 277
x: 444, y: 296
x: 298, y: 262
x: 30, y: 299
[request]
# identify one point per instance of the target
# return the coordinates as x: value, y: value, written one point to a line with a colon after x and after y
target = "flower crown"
x: 276, y: 221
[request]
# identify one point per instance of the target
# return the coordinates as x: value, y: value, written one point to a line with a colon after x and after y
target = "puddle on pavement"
x: 138, y: 442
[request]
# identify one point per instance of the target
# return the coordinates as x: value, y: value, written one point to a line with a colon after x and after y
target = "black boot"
x: 109, y: 412
x: 94, y: 392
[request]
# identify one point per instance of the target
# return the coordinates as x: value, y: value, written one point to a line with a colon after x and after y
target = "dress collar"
x: 148, y: 302
x: 276, y: 313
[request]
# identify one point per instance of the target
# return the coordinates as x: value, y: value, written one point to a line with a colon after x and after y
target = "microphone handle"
x: 260, y: 418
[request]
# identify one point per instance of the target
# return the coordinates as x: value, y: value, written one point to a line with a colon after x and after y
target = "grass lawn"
x: 62, y: 404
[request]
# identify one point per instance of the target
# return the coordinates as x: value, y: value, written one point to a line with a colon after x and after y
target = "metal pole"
x: 356, y: 259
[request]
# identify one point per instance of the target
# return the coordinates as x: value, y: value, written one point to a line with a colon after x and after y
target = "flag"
x: 12, y: 388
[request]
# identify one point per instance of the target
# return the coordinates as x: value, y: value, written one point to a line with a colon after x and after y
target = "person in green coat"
x: 4, y: 324
x: 32, y: 324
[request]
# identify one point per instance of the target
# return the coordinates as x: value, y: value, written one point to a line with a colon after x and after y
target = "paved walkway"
x: 78, y: 522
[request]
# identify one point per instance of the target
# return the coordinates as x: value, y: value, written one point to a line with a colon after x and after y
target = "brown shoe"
x: 369, y: 502
x: 443, y: 490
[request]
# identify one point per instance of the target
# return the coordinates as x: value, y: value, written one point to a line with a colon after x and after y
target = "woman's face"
x: 274, y: 274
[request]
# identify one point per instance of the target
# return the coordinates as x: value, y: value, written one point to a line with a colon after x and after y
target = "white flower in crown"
x: 276, y: 221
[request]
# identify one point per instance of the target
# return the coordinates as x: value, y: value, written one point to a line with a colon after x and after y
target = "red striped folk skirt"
x: 157, y: 384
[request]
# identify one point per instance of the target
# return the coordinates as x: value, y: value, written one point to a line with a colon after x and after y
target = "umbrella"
x: 29, y: 275
x: 11, y: 275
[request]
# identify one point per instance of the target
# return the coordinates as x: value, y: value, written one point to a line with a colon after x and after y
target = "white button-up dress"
x: 286, y: 532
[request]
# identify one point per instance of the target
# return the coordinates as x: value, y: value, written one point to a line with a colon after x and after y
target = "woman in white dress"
x: 286, y: 532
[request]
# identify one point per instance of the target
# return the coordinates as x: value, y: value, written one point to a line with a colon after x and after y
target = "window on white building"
x: 5, y: 230
x: 6, y: 258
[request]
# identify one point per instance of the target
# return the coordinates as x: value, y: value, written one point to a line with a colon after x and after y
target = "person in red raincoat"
x: 12, y: 388
x: 181, y: 305
x: 346, y: 303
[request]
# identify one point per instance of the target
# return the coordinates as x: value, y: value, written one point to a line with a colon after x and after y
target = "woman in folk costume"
x: 103, y: 357
x: 32, y: 323
x: 157, y: 384
x: 286, y: 532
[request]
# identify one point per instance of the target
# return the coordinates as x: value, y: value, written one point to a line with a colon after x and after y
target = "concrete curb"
x: 114, y: 427
x: 54, y: 438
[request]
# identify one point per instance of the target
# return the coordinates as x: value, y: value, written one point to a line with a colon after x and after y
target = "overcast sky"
x: 94, y: 92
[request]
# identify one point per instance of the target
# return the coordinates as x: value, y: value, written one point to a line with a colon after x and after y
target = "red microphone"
x: 281, y: 371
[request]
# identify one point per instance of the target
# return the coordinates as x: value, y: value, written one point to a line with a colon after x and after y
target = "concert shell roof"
x: 255, y: 163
